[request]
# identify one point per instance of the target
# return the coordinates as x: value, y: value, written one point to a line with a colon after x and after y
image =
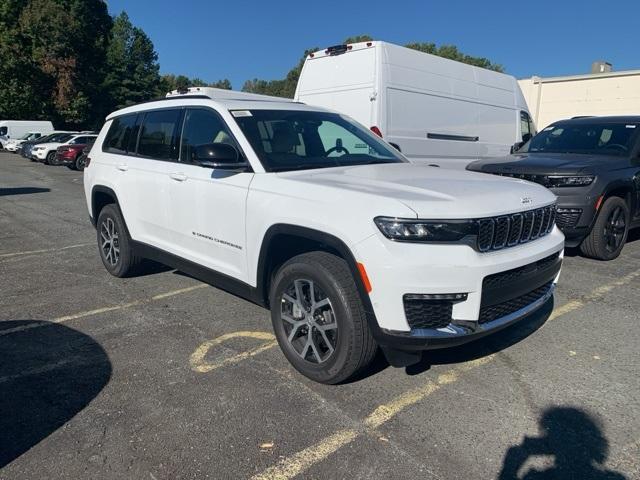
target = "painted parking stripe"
x: 304, y: 459
x: 301, y: 461
x: 97, y: 311
x: 198, y: 360
x: 45, y: 250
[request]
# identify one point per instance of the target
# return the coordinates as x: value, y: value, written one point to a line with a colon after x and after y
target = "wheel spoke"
x: 313, y: 347
x: 326, y: 341
x: 299, y: 295
x: 322, y: 303
x: 294, y: 332
x: 324, y: 328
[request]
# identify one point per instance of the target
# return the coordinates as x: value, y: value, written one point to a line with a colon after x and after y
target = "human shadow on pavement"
x: 575, y: 441
x: 484, y: 346
x: 48, y: 373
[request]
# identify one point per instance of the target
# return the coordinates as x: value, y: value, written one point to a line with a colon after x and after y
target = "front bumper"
x: 397, y: 269
x: 39, y: 154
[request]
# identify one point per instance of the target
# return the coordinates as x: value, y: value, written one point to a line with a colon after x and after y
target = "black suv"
x: 593, y: 165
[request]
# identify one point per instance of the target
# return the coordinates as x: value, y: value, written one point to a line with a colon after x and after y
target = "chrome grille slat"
x: 509, y: 230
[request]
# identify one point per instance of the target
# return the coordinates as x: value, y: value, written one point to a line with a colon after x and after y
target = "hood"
x: 48, y: 145
x: 549, y: 163
x: 431, y: 192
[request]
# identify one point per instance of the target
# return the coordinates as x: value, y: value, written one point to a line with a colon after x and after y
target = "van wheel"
x: 114, y: 243
x: 609, y: 233
x: 319, y: 319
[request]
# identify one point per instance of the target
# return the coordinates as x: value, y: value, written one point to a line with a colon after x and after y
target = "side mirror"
x: 516, y: 146
x: 218, y: 155
x: 396, y: 146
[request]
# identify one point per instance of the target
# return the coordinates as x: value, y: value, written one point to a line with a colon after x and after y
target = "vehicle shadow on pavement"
x: 485, y: 346
x: 4, y: 192
x: 47, y: 375
x: 572, y: 438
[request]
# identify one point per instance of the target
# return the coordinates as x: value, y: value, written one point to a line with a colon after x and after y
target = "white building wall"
x: 552, y: 99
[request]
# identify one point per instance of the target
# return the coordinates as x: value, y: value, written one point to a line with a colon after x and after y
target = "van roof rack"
x: 223, y: 94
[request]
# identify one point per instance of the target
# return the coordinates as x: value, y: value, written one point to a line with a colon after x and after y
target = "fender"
x: 323, y: 238
x: 625, y: 184
x: 100, y: 189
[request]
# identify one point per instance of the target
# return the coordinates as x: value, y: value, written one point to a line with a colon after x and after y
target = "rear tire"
x: 319, y: 319
x: 609, y: 233
x: 114, y: 243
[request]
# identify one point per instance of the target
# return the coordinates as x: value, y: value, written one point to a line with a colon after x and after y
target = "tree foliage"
x: 70, y: 62
x: 173, y: 82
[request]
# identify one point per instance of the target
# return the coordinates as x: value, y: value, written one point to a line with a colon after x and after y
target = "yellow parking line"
x: 44, y: 250
x: 97, y: 311
x: 304, y: 459
x: 200, y: 365
x: 301, y: 461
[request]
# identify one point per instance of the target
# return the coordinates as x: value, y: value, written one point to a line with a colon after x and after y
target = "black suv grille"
x: 568, y: 217
x: 493, y: 312
x: 500, y: 279
x: 423, y: 313
x: 510, y: 230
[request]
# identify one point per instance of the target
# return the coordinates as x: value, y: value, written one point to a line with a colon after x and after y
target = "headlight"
x: 425, y: 230
x: 570, y: 180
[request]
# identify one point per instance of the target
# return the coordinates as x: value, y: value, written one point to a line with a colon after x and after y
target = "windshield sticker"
x: 631, y: 126
x: 241, y: 113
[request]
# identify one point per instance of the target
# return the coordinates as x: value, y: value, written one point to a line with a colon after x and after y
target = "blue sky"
x: 241, y: 39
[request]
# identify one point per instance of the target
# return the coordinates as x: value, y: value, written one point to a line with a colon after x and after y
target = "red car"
x: 71, y: 155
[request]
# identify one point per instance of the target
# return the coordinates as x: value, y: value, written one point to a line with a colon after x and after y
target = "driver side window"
x: 202, y: 126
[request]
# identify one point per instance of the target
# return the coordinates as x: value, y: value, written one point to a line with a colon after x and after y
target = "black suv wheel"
x: 318, y: 318
x: 114, y: 243
x: 609, y: 232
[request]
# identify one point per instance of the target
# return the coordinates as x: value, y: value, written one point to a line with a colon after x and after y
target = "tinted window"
x: 80, y: 140
x: 294, y: 140
x: 3, y: 130
x: 159, y: 135
x: 526, y: 126
x: 202, y: 126
x: 120, y: 132
x: 586, y: 138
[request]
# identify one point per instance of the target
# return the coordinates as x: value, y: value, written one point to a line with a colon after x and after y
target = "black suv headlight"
x: 569, y: 180
x: 409, y: 230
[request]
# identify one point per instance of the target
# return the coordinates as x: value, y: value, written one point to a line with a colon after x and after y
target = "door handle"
x: 123, y: 167
x: 180, y: 177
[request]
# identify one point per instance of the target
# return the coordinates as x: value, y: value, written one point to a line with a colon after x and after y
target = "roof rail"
x: 582, y: 116
x: 223, y: 94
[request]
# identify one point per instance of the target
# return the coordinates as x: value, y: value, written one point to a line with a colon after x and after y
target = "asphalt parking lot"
x: 161, y: 376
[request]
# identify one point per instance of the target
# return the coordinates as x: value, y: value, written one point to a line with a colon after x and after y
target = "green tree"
x: 52, y: 56
x: 132, y: 70
x: 451, y: 52
x: 172, y: 82
x: 358, y: 39
x: 278, y: 88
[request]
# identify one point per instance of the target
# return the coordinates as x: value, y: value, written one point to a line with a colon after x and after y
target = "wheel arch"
x: 284, y: 241
x: 101, y: 196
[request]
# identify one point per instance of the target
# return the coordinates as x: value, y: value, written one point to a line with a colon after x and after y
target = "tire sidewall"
x: 611, y: 204
x: 111, y: 211
x: 50, y: 159
x: 327, y: 371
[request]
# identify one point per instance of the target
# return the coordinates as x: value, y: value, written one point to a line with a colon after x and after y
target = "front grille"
x: 423, y: 313
x: 494, y: 312
x: 505, y: 278
x: 568, y: 217
x: 510, y: 230
x: 539, y: 179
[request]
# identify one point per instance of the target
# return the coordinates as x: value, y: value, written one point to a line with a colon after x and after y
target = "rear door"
x: 207, y: 206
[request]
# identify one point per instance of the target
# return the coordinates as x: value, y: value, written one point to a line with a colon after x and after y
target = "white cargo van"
x: 17, y: 128
x: 436, y: 110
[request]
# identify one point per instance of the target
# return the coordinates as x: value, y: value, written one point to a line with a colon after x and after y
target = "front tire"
x: 318, y: 318
x: 114, y: 243
x: 609, y: 233
x: 51, y: 159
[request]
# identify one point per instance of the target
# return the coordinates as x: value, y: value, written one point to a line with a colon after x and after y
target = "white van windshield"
x: 297, y: 140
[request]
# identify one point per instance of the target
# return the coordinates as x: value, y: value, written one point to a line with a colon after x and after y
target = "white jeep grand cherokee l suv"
x: 303, y: 211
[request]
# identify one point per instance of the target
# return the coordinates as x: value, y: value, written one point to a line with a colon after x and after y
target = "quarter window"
x: 159, y: 135
x: 202, y: 126
x: 120, y: 133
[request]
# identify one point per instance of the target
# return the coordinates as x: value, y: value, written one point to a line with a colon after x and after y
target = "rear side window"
x: 159, y: 135
x: 80, y: 140
x: 122, y: 131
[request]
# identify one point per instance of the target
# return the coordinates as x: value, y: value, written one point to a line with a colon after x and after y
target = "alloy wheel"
x: 110, y: 245
x: 309, y: 321
x: 615, y: 229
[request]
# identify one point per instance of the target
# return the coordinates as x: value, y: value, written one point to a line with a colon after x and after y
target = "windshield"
x: 26, y: 136
x: 59, y: 138
x: 584, y: 138
x: 297, y: 140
